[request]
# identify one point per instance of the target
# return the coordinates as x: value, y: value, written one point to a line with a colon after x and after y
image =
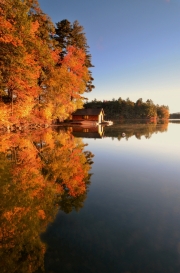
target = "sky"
x: 135, y: 46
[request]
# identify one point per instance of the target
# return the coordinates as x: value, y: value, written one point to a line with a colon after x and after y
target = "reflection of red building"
x: 88, y: 115
x: 91, y: 132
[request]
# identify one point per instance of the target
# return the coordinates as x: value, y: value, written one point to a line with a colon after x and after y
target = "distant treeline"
x: 127, y: 109
x: 175, y: 115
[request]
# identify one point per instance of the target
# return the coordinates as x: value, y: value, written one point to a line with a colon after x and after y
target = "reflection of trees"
x: 138, y: 130
x: 22, y: 216
x: 68, y: 202
x: 65, y: 163
x: 37, y: 173
x: 174, y: 121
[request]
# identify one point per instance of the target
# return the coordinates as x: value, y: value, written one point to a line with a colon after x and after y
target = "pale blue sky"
x: 135, y: 46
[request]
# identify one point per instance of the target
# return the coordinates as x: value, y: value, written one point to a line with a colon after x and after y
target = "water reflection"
x: 131, y: 219
x: 88, y: 132
x: 127, y: 130
x: 40, y: 172
x: 120, y: 130
x: 174, y: 120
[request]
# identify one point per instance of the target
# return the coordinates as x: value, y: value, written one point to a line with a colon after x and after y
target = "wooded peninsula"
x: 46, y: 68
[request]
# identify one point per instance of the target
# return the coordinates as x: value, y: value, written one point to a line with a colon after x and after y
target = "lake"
x: 112, y: 205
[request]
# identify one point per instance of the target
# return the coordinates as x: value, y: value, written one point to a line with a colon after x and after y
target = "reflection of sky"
x: 164, y: 145
x: 130, y: 221
x: 149, y: 164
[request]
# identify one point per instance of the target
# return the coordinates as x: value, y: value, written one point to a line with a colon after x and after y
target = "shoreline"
x: 15, y: 128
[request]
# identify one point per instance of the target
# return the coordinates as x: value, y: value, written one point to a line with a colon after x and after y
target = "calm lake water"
x: 127, y: 221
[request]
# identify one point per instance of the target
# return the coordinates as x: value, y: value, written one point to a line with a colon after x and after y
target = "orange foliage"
x: 23, y: 58
x: 36, y: 85
x: 70, y: 77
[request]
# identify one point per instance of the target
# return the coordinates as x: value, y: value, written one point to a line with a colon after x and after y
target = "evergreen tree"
x: 68, y: 34
x: 127, y: 109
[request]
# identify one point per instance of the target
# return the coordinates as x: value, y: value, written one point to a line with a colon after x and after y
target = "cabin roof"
x: 88, y: 112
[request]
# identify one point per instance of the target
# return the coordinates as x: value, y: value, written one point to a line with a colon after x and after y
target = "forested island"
x: 45, y: 68
x: 127, y: 109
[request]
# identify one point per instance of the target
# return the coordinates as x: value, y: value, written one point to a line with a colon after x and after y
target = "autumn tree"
x: 18, y: 69
x: 68, y: 34
x: 163, y: 111
x: 70, y: 82
x: 41, y: 78
x: 27, y: 58
x: 48, y: 56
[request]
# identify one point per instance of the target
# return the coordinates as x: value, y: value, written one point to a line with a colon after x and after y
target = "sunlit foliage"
x: 36, y: 83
